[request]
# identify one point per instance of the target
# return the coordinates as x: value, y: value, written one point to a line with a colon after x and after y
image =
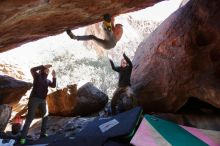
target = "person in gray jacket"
x: 113, y: 34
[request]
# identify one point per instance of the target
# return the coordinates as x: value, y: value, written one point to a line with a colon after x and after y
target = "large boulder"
x: 70, y: 102
x: 180, y: 59
x: 5, y: 114
x: 90, y: 99
x: 24, y: 21
x: 11, y: 90
x: 63, y: 101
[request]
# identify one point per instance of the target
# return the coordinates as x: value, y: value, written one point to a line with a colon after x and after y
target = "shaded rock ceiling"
x: 28, y: 20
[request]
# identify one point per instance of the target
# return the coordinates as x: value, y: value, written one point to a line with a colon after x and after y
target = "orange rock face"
x: 28, y: 20
x: 63, y: 101
x: 70, y: 102
x: 180, y: 59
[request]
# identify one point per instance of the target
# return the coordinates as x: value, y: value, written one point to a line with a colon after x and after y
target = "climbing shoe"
x: 22, y: 141
x: 70, y: 34
x: 43, y: 135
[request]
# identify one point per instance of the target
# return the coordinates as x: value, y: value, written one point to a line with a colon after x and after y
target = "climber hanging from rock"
x: 123, y: 98
x: 113, y: 34
x: 38, y: 98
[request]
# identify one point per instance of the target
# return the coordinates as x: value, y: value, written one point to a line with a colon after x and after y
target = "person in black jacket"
x: 38, y: 98
x: 123, y: 86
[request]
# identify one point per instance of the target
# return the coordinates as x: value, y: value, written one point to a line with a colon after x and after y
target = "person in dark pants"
x: 38, y: 98
x: 123, y: 86
x: 113, y: 34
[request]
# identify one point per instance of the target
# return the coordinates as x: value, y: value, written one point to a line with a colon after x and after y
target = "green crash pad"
x: 173, y: 133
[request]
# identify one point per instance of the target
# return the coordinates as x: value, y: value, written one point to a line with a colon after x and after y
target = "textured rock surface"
x: 28, y: 20
x: 180, y: 59
x: 62, y: 102
x: 68, y: 101
x: 90, y: 100
x: 11, y: 90
x: 5, y: 114
x: 71, y: 102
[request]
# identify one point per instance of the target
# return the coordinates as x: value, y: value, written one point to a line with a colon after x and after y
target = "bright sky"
x: 159, y: 11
